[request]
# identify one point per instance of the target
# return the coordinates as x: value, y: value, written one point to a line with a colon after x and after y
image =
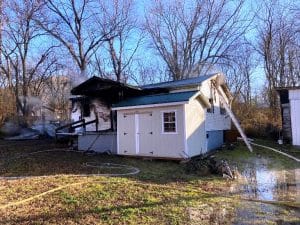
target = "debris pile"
x: 205, y: 165
x: 14, y: 131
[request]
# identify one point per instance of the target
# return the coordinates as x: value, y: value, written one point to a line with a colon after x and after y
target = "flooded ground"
x: 270, y: 195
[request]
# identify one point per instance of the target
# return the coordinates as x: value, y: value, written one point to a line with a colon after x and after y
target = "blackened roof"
x: 99, y: 84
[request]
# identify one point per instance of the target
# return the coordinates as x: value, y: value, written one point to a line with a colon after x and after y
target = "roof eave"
x: 287, y: 88
x: 202, y: 99
x: 169, y: 83
x: 149, y: 105
x: 78, y: 89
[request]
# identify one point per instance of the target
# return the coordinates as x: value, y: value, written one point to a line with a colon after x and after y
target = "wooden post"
x: 232, y: 116
x: 84, y: 126
x: 97, y: 123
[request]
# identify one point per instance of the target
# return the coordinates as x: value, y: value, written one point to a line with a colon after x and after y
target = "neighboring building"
x: 290, y: 112
x: 178, y: 119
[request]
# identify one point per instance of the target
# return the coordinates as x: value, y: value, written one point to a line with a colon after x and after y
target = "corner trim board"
x: 186, y: 150
x: 137, y: 138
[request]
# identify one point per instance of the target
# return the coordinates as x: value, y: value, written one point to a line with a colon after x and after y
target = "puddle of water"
x: 261, y: 183
x: 266, y: 198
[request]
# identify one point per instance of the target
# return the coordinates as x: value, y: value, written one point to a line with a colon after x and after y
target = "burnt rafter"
x: 109, y: 90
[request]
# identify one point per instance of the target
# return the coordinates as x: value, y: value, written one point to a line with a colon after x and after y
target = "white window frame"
x: 162, y: 122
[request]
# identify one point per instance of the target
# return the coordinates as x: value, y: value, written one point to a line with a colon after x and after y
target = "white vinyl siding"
x: 151, y: 140
x: 217, y: 120
x: 195, y: 128
x: 294, y: 96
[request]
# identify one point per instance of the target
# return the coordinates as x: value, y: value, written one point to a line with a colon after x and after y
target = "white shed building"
x: 186, y: 121
x: 290, y: 111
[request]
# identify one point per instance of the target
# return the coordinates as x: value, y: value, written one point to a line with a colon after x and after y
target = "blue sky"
x: 249, y: 8
x: 148, y: 55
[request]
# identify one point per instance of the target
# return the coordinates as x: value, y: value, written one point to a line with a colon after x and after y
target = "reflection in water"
x: 271, y: 185
x: 261, y: 183
x: 277, y: 189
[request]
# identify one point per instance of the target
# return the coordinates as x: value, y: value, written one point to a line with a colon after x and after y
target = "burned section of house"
x: 177, y: 119
x: 92, y: 109
x: 92, y: 101
x: 290, y: 113
x: 91, y: 114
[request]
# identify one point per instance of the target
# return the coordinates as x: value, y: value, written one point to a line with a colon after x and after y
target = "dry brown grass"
x: 258, y: 121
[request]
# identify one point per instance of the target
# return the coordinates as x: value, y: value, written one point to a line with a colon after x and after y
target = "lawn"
x: 162, y: 193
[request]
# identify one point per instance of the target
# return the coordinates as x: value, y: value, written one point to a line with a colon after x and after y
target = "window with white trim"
x: 169, y: 122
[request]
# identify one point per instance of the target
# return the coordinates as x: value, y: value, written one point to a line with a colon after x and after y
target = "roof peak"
x: 176, y: 83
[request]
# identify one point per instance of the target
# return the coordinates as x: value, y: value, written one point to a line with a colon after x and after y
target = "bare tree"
x: 50, y: 68
x: 1, y: 27
x: 80, y: 26
x: 279, y: 48
x: 115, y: 57
x: 23, y: 63
x: 57, y: 90
x: 192, y: 36
x: 148, y: 72
x: 239, y: 69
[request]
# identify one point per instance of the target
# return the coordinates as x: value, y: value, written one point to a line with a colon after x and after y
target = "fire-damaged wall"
x: 91, y: 109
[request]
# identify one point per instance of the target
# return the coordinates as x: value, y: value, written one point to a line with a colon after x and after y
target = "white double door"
x: 137, y: 136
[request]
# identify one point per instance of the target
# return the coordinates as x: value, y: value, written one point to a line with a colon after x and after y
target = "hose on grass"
x: 132, y: 171
x: 205, y: 195
x: 38, y: 195
x: 277, y: 151
x: 161, y: 186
